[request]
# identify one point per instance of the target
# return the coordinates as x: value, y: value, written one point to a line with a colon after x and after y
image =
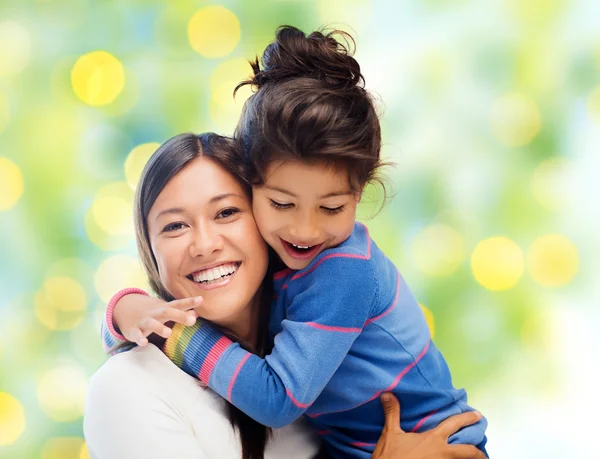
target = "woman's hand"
x: 394, y: 443
x: 138, y: 316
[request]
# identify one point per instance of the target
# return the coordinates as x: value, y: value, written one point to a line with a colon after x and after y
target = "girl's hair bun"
x: 318, y: 56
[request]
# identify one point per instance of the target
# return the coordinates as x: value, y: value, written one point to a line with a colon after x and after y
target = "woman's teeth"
x: 217, y: 273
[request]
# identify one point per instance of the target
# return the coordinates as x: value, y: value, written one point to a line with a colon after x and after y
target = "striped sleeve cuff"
x: 196, y: 349
x: 110, y: 309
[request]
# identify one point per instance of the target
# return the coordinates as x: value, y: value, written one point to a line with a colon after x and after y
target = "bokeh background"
x: 490, y: 109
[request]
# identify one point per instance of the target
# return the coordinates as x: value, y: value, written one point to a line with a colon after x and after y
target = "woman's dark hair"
x: 170, y: 158
x: 311, y: 105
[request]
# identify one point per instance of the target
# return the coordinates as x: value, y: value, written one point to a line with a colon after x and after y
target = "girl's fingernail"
x: 198, y: 299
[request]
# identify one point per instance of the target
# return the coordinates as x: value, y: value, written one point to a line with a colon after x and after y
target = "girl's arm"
x: 132, y: 316
x: 321, y: 325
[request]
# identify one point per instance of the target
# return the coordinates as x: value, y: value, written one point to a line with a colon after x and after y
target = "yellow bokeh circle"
x: 515, y: 120
x: 116, y: 273
x: 224, y: 108
x: 438, y: 250
x: 63, y: 448
x: 214, y: 31
x: 553, y: 260
x: 98, y: 78
x: 61, y: 304
x: 429, y: 318
x: 136, y: 160
x: 112, y: 209
x: 12, y: 419
x: 11, y: 183
x: 497, y: 263
x: 61, y: 393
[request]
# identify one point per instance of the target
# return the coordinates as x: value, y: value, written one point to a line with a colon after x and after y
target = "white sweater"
x: 140, y: 405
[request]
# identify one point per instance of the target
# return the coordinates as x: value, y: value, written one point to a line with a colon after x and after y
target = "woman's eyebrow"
x: 173, y: 210
x: 224, y: 196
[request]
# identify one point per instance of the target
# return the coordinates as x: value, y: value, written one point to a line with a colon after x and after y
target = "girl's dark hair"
x: 170, y: 158
x: 310, y: 104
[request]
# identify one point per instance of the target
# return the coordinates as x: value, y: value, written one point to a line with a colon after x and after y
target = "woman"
x: 193, y: 212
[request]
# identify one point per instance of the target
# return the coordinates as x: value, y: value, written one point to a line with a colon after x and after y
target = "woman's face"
x: 206, y: 243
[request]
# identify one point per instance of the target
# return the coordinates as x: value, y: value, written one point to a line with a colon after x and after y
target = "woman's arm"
x: 394, y: 443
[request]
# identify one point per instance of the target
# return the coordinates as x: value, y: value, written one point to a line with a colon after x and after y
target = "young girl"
x: 346, y: 327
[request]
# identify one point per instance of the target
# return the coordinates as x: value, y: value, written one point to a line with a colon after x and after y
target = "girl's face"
x: 303, y: 209
x: 206, y: 242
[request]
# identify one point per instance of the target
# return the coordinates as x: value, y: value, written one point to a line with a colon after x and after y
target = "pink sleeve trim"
x: 213, y: 356
x: 110, y: 309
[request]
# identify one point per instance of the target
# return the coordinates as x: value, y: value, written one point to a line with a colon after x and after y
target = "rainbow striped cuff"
x: 196, y: 349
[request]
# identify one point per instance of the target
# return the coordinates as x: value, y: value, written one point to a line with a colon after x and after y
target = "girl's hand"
x: 138, y: 316
x: 394, y: 443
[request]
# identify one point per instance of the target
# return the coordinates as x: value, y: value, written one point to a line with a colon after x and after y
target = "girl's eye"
x: 333, y: 210
x: 279, y: 205
x: 227, y: 213
x: 173, y: 227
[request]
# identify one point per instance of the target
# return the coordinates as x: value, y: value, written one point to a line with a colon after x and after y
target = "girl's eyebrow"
x: 281, y: 190
x: 325, y: 196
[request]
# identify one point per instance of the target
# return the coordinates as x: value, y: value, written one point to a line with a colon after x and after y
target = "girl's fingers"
x: 186, y: 303
x: 149, y: 325
x: 170, y: 314
x: 454, y: 423
x: 466, y: 452
x: 135, y: 335
x: 391, y: 410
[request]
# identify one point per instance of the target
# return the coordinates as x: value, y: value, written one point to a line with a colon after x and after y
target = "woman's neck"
x: 244, y: 327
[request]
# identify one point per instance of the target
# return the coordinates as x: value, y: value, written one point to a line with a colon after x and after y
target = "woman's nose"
x: 206, y: 242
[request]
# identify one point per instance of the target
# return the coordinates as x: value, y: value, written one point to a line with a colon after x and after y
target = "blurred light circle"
x: 61, y: 393
x: 438, y: 250
x: 551, y: 184
x: 11, y: 183
x: 83, y: 452
x: 61, y: 304
x: 98, y: 78
x: 497, y: 263
x: 112, y: 209
x: 4, y: 112
x: 63, y: 448
x: 136, y: 160
x: 515, y: 120
x: 12, y: 419
x: 118, y: 272
x: 214, y: 31
x: 15, y: 48
x: 594, y: 104
x: 429, y: 318
x: 553, y: 260
x: 224, y: 108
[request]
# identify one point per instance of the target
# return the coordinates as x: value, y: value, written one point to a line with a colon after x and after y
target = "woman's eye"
x: 279, y: 205
x: 227, y: 213
x: 173, y: 227
x: 333, y: 210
